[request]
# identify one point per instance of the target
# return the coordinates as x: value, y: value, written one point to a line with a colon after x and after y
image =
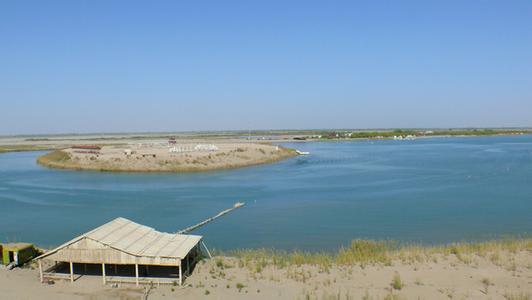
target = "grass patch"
x: 54, y: 157
x: 364, y: 252
x: 520, y: 296
x: 240, y: 286
x: 63, y: 160
x: 397, y: 283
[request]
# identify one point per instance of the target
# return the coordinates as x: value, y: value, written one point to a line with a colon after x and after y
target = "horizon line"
x: 221, y: 131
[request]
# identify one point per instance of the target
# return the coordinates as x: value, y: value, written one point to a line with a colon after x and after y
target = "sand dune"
x: 492, y: 275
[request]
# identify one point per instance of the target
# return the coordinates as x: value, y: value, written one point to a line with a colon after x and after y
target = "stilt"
x: 180, y: 274
x: 188, y: 265
x: 103, y: 274
x: 207, y: 249
x: 71, y: 272
x: 40, y: 271
x: 136, y: 274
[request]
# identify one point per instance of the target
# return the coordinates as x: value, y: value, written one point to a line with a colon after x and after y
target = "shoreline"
x: 61, y: 141
x: 230, y: 156
x: 496, y: 269
x: 391, y: 138
x: 58, y: 144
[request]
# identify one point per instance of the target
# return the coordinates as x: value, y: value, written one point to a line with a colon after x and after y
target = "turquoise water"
x: 430, y: 191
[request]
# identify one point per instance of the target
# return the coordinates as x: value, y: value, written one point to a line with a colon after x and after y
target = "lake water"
x: 427, y: 190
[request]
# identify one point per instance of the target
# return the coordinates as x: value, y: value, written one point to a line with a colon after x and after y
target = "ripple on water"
x: 428, y: 190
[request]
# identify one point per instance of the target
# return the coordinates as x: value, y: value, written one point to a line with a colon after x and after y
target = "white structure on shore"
x: 206, y: 147
x: 408, y: 137
x: 189, y: 148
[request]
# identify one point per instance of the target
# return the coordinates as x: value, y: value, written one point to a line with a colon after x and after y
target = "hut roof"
x: 138, y: 240
x: 15, y: 246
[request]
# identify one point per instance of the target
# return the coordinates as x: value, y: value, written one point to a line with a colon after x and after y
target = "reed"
x: 364, y: 252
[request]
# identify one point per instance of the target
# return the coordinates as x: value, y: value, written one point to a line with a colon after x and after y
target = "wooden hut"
x: 16, y: 253
x: 123, y: 251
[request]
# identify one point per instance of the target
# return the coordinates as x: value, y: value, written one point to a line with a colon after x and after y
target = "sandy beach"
x: 503, y: 274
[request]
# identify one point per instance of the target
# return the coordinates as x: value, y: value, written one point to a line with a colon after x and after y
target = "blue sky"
x: 128, y: 66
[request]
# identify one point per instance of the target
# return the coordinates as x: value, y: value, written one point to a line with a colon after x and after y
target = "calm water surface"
x: 430, y: 191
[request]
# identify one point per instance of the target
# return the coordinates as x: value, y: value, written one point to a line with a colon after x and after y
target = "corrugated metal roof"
x: 139, y: 240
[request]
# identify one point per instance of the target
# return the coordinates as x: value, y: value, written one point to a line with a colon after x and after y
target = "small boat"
x: 302, y: 152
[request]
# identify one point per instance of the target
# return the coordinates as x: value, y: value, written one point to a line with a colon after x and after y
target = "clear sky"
x: 128, y: 66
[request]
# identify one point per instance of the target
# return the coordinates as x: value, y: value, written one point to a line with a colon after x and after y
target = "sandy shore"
x: 162, y: 157
x: 493, y: 275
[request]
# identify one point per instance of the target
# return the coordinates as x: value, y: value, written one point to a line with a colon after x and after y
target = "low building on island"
x: 125, y: 252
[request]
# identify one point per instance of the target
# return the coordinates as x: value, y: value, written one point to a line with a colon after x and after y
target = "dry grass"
x: 364, y: 252
x: 518, y: 296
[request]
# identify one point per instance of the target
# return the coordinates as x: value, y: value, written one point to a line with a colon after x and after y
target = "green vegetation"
x: 20, y: 148
x: 354, y: 134
x: 266, y: 134
x: 365, y: 252
x: 240, y: 286
x: 58, y: 155
x: 56, y: 159
x: 397, y: 284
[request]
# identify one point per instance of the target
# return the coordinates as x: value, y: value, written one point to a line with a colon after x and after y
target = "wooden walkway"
x: 223, y: 212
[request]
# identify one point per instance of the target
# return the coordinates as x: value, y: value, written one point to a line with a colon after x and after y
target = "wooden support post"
x: 71, y: 272
x: 40, y: 271
x: 207, y: 249
x: 136, y: 274
x: 188, y: 265
x: 103, y: 274
x: 180, y: 273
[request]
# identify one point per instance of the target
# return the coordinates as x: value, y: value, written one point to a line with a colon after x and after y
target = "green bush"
x: 397, y: 284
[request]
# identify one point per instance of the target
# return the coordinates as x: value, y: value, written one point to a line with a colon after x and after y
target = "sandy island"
x: 485, y: 271
x: 166, y: 157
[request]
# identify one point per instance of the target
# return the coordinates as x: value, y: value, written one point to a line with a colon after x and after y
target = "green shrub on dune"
x: 56, y: 159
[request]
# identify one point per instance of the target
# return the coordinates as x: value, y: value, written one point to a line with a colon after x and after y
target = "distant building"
x: 89, y: 149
